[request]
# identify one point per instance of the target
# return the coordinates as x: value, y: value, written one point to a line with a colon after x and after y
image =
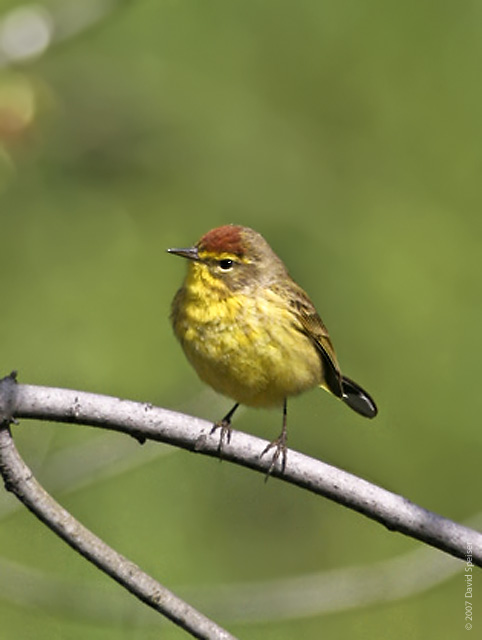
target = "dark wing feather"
x: 358, y: 399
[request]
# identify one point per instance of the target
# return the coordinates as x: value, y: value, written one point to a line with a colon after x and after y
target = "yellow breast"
x: 246, y: 347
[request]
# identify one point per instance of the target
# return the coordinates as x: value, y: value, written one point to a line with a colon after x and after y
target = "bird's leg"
x: 225, y: 426
x: 280, y: 445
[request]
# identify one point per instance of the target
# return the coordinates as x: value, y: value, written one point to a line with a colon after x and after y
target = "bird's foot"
x: 280, y: 452
x: 224, y: 434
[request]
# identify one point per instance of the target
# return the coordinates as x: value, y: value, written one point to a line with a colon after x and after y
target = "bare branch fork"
x: 19, y: 479
x: 143, y: 421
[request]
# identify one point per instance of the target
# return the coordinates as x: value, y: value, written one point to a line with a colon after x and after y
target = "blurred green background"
x: 349, y: 135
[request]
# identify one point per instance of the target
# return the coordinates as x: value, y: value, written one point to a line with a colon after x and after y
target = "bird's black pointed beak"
x: 191, y: 253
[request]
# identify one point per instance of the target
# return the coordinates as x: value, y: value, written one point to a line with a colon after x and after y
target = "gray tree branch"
x: 143, y: 421
x: 19, y: 479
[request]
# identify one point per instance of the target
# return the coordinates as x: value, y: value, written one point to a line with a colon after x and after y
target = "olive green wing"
x: 310, y: 323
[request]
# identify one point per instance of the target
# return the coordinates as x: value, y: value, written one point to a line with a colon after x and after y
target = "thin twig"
x: 143, y: 421
x: 19, y: 479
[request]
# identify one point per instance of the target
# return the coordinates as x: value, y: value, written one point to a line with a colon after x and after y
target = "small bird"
x: 252, y: 333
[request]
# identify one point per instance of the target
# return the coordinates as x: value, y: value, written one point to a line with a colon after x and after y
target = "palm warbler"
x: 251, y: 332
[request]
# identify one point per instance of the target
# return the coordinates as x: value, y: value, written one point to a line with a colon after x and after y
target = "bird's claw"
x: 224, y: 434
x: 280, y: 451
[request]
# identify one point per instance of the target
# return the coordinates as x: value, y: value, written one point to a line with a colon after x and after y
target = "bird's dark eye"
x: 226, y: 264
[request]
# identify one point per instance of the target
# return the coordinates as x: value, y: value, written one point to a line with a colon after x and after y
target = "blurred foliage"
x: 349, y: 135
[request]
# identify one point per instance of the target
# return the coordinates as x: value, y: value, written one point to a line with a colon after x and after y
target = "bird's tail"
x: 358, y: 399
